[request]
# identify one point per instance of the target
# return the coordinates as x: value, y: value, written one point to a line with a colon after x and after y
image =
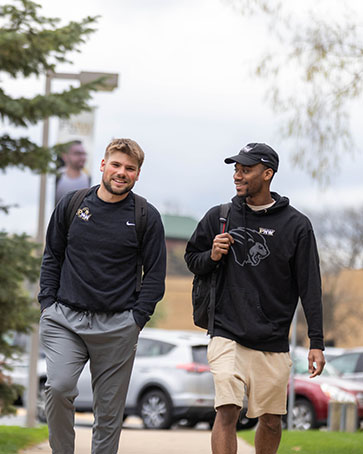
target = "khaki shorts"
x: 264, y: 374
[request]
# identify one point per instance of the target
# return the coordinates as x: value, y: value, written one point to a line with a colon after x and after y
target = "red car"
x: 312, y: 395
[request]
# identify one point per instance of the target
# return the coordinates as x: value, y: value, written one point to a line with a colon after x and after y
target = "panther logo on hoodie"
x: 249, y: 246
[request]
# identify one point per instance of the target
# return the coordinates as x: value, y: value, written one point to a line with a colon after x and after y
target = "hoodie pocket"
x: 247, y: 317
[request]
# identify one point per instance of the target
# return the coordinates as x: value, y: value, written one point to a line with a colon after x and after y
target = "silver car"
x: 170, y: 382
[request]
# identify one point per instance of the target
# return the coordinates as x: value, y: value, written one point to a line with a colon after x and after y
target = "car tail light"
x: 194, y: 367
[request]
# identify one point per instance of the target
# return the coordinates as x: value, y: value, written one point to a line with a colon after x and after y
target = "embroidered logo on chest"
x: 83, y: 213
x: 264, y: 231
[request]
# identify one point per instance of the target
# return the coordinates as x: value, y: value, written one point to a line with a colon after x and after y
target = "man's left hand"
x: 316, y: 362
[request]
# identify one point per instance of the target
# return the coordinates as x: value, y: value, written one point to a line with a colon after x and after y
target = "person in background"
x: 72, y: 176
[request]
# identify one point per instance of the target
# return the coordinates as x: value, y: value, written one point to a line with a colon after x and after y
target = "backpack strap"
x: 74, y: 204
x: 224, y: 210
x: 140, y: 221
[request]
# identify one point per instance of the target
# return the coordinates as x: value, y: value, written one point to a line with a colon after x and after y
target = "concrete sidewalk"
x: 137, y: 441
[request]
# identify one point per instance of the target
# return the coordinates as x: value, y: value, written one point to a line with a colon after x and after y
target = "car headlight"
x: 337, y: 394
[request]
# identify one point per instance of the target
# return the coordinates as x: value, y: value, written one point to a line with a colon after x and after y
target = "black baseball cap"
x: 256, y: 153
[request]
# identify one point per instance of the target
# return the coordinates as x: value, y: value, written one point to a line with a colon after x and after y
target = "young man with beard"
x: 90, y: 308
x: 266, y: 260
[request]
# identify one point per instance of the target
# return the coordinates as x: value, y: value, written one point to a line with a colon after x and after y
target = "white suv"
x: 171, y: 381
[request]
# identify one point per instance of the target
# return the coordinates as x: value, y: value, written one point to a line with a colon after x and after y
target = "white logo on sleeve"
x: 129, y: 223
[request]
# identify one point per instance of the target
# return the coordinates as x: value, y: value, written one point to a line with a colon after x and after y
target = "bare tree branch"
x: 314, y: 72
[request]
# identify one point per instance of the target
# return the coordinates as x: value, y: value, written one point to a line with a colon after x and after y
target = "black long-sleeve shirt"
x: 92, y: 267
x: 272, y: 262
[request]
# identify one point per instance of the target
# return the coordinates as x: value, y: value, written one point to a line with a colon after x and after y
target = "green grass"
x: 14, y: 438
x: 315, y: 442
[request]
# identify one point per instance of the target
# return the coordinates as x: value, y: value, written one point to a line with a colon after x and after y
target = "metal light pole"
x: 110, y: 83
x: 32, y: 392
x: 292, y: 375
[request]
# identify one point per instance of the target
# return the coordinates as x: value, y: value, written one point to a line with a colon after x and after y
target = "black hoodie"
x: 272, y: 263
x: 92, y: 267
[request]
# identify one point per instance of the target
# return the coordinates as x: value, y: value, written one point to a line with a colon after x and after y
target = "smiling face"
x: 120, y: 173
x: 253, y: 183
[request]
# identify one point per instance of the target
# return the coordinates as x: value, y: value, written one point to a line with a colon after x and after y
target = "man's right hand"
x: 221, y: 245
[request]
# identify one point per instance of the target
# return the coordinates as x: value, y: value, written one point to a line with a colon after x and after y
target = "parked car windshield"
x: 301, y: 366
x: 200, y: 354
x: 151, y: 347
x: 348, y: 363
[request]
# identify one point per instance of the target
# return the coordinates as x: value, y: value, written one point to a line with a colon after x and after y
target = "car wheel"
x: 303, y: 415
x: 245, y: 423
x: 41, y: 403
x: 155, y: 410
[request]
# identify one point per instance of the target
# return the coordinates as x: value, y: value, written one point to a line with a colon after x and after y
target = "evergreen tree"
x: 30, y: 45
x: 18, y: 263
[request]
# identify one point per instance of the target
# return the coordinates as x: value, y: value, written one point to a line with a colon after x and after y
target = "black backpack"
x: 140, y: 223
x: 204, y: 286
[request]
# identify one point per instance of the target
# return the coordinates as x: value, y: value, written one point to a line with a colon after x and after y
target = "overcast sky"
x: 187, y: 96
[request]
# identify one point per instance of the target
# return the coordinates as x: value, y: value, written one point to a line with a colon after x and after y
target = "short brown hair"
x: 128, y: 146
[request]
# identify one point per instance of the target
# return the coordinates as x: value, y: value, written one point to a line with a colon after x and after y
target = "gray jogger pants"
x: 69, y: 339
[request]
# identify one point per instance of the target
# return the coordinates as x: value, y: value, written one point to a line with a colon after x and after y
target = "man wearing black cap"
x: 267, y: 259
